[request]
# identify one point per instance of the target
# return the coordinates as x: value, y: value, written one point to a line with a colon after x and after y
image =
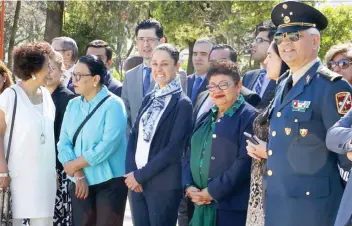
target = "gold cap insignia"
x: 284, y: 6
x: 287, y: 20
x: 287, y: 131
x: 303, y: 132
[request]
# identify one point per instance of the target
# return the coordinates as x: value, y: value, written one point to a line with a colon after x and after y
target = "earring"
x: 33, y: 77
x: 95, y: 85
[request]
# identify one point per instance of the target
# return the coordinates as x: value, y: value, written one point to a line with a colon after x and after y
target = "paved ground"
x: 128, y: 218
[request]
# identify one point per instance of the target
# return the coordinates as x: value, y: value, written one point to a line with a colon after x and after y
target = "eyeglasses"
x: 148, y: 40
x: 78, y: 77
x: 342, y: 64
x: 61, y: 50
x: 259, y: 40
x: 223, y: 85
x: 292, y: 36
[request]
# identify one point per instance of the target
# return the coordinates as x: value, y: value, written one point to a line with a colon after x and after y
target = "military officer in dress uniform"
x: 303, y: 184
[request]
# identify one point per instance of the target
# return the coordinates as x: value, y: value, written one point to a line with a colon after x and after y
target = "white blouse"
x: 31, y: 162
x: 142, y: 152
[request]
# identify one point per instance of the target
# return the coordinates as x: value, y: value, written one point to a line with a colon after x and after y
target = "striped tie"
x: 258, y: 87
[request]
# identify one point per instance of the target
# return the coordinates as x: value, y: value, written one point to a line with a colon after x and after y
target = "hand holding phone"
x: 251, y: 138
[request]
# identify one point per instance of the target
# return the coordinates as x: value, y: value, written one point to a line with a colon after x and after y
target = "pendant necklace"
x: 42, y: 121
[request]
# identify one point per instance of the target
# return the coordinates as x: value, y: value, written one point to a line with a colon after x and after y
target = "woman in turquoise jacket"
x: 95, y: 160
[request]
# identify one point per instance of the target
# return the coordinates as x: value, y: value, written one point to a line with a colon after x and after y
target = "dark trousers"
x: 231, y: 218
x: 185, y: 211
x: 104, y: 206
x: 156, y: 208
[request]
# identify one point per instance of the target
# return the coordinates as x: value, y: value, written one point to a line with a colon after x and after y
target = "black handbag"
x: 5, y: 195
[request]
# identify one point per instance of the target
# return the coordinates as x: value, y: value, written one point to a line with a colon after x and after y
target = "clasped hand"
x: 132, y: 183
x: 199, y: 197
x: 257, y: 151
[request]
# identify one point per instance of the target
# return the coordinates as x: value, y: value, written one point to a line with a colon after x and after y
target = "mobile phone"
x: 250, y: 138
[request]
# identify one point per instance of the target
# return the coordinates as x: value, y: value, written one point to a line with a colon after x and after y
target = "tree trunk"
x: 190, y: 68
x: 54, y: 19
x: 13, y: 33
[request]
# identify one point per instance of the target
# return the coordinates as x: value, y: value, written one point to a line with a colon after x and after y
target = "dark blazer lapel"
x: 300, y: 86
x: 253, y: 80
x: 190, y: 81
x: 270, y: 87
x: 199, y: 103
x: 203, y: 87
x: 171, y: 106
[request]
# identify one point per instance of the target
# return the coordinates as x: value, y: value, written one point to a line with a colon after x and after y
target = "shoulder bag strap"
x: 12, y: 124
x: 86, y: 119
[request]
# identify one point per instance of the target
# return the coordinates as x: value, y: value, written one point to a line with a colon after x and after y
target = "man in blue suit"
x: 303, y: 185
x: 102, y: 50
x: 197, y: 83
x: 256, y: 80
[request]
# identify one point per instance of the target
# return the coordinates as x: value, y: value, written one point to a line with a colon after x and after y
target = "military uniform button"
x: 209, y: 178
x: 270, y: 173
x: 296, y: 120
x: 214, y: 136
x: 278, y: 114
x: 219, y: 120
x: 212, y: 158
x: 307, y: 193
x: 273, y: 133
x: 270, y: 152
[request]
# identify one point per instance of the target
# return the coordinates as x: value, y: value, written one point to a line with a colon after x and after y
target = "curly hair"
x: 6, y: 73
x: 225, y: 67
x: 30, y: 58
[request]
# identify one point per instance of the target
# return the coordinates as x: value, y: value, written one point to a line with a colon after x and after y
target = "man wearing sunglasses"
x: 303, y: 185
x: 256, y: 80
x: 339, y: 59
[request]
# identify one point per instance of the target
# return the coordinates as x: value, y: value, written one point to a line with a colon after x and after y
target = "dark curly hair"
x: 225, y: 67
x: 6, y: 73
x: 29, y: 59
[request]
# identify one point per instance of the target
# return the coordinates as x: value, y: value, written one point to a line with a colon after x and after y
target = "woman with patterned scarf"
x: 156, y: 143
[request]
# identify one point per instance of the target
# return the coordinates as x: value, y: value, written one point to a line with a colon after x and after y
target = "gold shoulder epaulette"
x: 328, y: 74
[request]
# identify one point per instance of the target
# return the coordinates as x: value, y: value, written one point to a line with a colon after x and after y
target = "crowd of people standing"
x: 214, y: 148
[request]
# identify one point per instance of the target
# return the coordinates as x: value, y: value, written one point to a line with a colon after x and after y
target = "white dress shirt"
x: 68, y: 75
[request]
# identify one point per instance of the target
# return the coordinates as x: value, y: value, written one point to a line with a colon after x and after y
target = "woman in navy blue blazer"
x: 217, y: 171
x: 156, y: 143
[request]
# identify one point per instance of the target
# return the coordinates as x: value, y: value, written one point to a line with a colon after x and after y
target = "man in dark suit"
x: 204, y: 103
x: 197, y: 83
x: 102, y: 50
x: 256, y: 80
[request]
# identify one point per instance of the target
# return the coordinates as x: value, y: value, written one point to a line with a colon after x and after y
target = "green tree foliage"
x: 339, y: 29
x: 111, y: 21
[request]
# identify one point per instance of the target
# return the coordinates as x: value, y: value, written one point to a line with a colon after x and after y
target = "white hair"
x: 314, y: 31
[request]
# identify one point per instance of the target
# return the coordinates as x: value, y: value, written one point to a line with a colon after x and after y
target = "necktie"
x: 258, y: 87
x: 146, y: 82
x: 288, y: 86
x: 196, y: 87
